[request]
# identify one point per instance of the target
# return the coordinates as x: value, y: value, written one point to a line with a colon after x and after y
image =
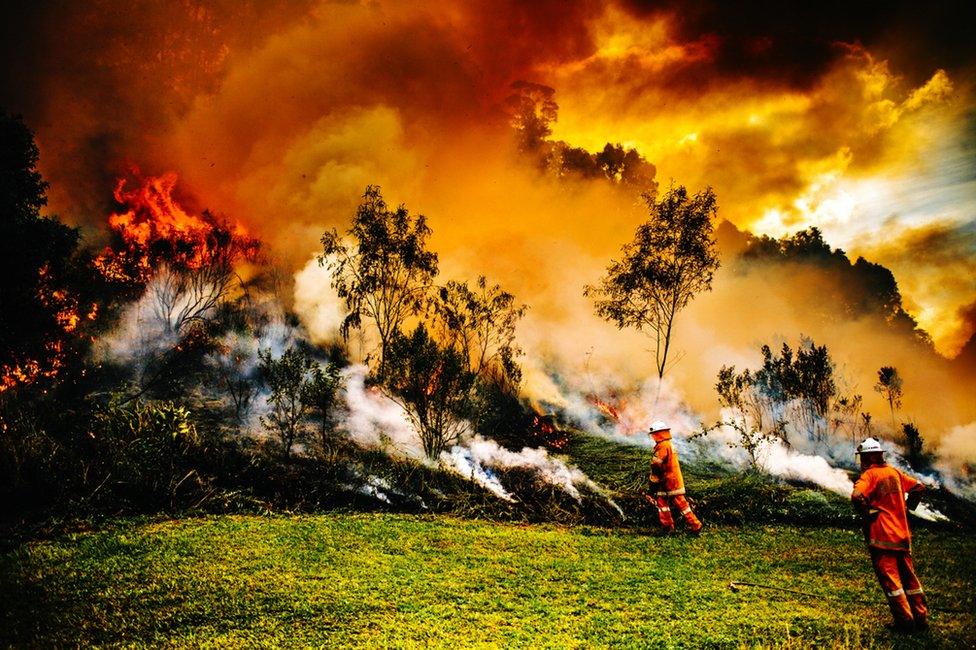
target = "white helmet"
x: 870, y: 445
x: 659, y: 425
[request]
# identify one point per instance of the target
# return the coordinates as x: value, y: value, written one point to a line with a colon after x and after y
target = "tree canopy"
x: 671, y: 259
x: 36, y: 309
x: 383, y: 274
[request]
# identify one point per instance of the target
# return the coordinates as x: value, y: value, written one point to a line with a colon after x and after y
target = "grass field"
x: 397, y: 580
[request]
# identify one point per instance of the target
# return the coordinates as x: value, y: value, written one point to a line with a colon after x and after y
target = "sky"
x: 859, y: 121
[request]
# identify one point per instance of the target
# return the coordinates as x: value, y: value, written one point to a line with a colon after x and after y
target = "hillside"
x: 350, y: 580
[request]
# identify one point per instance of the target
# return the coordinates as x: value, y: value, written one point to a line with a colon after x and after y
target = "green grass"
x: 399, y: 580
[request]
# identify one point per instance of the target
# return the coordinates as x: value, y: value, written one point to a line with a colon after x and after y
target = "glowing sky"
x: 854, y: 119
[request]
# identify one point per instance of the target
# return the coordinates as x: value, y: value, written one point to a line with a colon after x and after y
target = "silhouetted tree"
x: 321, y: 394
x: 805, y: 378
x: 480, y: 324
x: 37, y: 307
x: 532, y: 110
x: 750, y: 412
x: 915, y: 452
x: 857, y: 288
x: 889, y: 385
x: 671, y: 259
x: 384, y: 274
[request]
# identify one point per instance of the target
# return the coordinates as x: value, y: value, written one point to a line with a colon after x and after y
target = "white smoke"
x: 140, y: 335
x: 374, y: 420
x: 463, y: 461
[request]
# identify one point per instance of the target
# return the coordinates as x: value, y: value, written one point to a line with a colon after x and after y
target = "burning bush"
x: 44, y: 304
x: 156, y: 230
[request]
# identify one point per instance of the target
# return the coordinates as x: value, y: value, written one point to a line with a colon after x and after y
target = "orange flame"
x: 68, y: 317
x: 630, y: 418
x: 155, y: 228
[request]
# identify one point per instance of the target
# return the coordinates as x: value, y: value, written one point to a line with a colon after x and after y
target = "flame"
x: 629, y: 418
x: 605, y: 407
x: 31, y: 370
x: 543, y: 430
x: 155, y: 228
x: 68, y: 316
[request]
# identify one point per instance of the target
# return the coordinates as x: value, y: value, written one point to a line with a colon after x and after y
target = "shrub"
x: 143, y: 450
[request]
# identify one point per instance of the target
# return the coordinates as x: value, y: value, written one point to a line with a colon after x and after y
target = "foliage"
x: 794, y: 392
x: 480, y: 324
x: 851, y: 289
x: 40, y: 311
x: 532, y: 110
x: 751, y: 412
x: 915, y: 452
x: 142, y: 449
x: 804, y: 380
x: 288, y: 378
x: 344, y: 580
x: 384, y: 275
x: 434, y: 385
x: 889, y: 385
x: 499, y: 414
x: 671, y: 259
x: 321, y: 394
x: 848, y: 420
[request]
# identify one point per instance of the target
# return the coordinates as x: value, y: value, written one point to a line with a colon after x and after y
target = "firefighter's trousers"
x: 896, y: 573
x: 681, y: 503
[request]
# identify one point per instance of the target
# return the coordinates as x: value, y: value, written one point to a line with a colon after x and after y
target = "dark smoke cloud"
x: 796, y: 42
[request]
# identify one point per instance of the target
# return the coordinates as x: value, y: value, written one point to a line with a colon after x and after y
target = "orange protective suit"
x: 880, y: 494
x: 668, y: 485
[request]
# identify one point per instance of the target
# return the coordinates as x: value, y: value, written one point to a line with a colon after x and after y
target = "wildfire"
x: 155, y: 228
x: 629, y: 418
x: 68, y: 316
x: 543, y: 431
x: 605, y: 407
x: 31, y: 370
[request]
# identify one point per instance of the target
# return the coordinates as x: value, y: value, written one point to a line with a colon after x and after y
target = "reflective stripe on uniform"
x: 896, y: 593
x: 890, y: 546
x: 913, y: 592
x: 672, y: 493
x: 686, y: 510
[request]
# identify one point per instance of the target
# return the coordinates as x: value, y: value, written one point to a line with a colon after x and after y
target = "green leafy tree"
x: 480, y: 324
x: 288, y: 378
x: 434, y: 385
x: 889, y: 385
x: 385, y: 273
x: 321, y: 394
x: 671, y: 259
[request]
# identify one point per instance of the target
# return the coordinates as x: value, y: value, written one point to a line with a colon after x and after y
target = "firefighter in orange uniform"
x: 883, y: 495
x: 666, y: 483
